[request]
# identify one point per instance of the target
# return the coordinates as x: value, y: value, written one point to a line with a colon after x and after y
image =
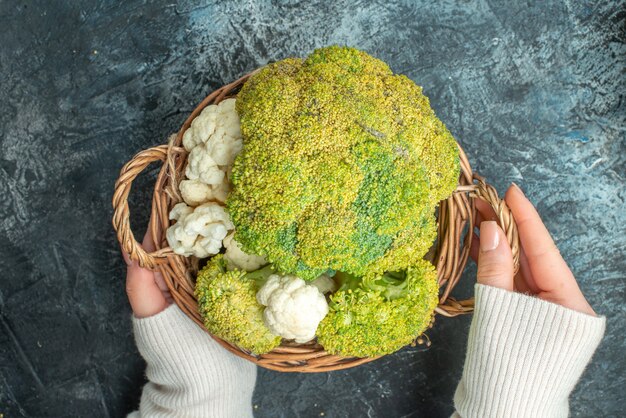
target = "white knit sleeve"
x: 524, y: 356
x: 189, y: 373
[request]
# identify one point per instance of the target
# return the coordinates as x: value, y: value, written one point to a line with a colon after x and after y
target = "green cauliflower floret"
x: 228, y: 305
x: 342, y: 166
x: 379, y: 314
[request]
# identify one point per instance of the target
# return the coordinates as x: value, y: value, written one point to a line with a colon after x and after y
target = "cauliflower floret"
x: 223, y: 147
x: 226, y: 141
x: 201, y: 166
x: 198, y: 231
x: 212, y: 118
x: 226, y: 106
x: 293, y: 308
x: 201, y: 127
x: 213, y: 141
x: 180, y: 211
x: 195, y: 192
x: 235, y: 258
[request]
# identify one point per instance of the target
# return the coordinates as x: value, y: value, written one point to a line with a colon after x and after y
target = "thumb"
x: 145, y: 296
x: 495, y: 261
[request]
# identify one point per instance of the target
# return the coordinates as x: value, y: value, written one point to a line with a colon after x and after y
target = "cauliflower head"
x: 342, y: 166
x: 379, y: 314
x: 227, y: 303
x: 293, y: 308
x: 198, y: 231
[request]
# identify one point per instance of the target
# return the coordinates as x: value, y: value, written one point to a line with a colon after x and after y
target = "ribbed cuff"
x: 524, y: 356
x: 189, y: 373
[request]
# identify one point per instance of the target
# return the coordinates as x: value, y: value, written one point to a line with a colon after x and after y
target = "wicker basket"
x: 456, y: 215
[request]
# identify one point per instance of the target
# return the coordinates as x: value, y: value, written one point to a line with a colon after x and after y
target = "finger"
x: 148, y: 242
x: 145, y: 297
x: 475, y: 247
x: 478, y: 219
x: 549, y: 271
x: 495, y: 261
x: 544, y: 260
x: 484, y: 211
x: 525, y: 273
x: 523, y: 279
x: 519, y: 283
x: 149, y: 245
x: 126, y: 257
x: 146, y: 289
x: 160, y: 281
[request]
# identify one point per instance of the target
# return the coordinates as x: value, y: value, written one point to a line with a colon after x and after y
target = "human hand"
x: 542, y: 273
x: 189, y: 372
x: 147, y: 292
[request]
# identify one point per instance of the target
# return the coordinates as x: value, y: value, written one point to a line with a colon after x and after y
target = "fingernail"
x: 489, y: 237
x: 519, y: 189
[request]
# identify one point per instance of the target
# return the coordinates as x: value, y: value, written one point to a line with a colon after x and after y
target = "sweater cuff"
x: 166, y: 335
x: 524, y: 355
x: 189, y: 373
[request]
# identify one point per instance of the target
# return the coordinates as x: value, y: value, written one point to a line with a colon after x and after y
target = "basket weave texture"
x: 449, y: 254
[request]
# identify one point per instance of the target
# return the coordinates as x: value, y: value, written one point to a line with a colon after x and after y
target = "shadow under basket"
x: 450, y: 253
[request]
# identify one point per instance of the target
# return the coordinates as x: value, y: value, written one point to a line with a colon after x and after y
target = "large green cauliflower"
x: 342, y: 166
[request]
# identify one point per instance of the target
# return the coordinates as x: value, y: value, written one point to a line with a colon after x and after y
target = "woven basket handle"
x: 484, y: 191
x: 121, y: 214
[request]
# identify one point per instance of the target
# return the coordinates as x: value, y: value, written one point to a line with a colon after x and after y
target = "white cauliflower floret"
x: 293, y: 308
x: 202, y: 167
x: 211, y: 119
x: 201, y: 127
x: 223, y: 148
x: 198, y: 231
x: 235, y: 258
x: 194, y: 192
x: 226, y: 141
x: 213, y: 141
x: 180, y: 211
